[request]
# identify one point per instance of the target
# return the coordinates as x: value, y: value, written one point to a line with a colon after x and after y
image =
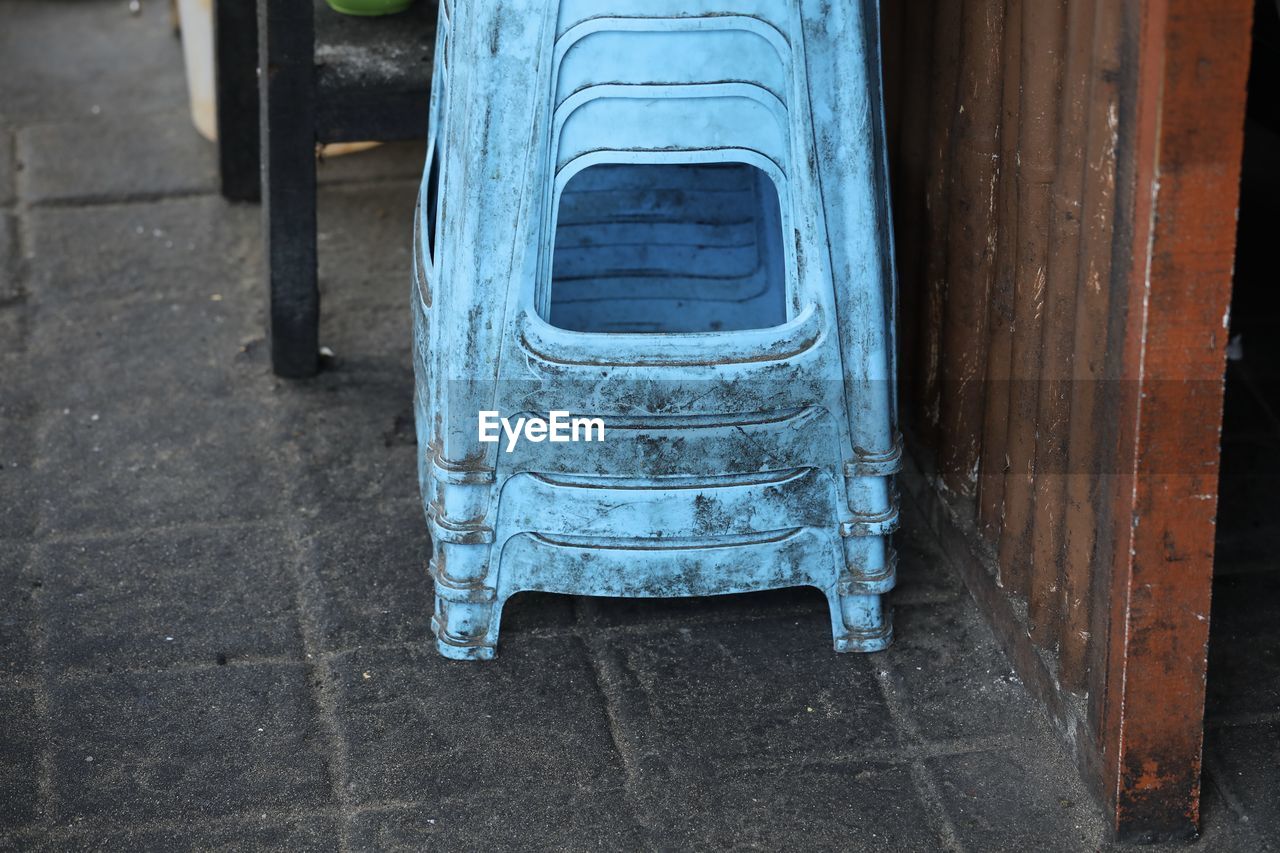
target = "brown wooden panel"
x: 995, y: 417
x: 1053, y: 407
x: 970, y: 242
x: 1042, y: 45
x: 1067, y: 238
x: 1188, y: 129
x: 1086, y: 480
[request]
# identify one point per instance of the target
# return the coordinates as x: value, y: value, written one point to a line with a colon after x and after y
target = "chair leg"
x: 467, y: 608
x: 286, y: 44
x: 859, y: 622
x: 235, y: 34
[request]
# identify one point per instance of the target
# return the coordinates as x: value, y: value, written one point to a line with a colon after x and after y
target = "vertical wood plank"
x: 1042, y: 44
x: 1087, y: 457
x: 971, y: 243
x: 1192, y: 65
x: 1053, y: 408
x: 995, y: 418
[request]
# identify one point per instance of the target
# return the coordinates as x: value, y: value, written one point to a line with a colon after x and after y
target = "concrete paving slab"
x: 516, y: 817
x: 19, y: 489
x: 1245, y: 759
x: 825, y: 806
x: 370, y: 581
x: 8, y: 167
x: 19, y: 584
x: 922, y: 574
x: 158, y: 600
x: 251, y: 831
x: 10, y: 283
x: 203, y: 461
x: 657, y: 613
x: 144, y: 349
x: 417, y: 726
x: 356, y: 444
x: 707, y: 696
x: 169, y: 249
x: 199, y: 742
x: 115, y: 157
x: 944, y: 651
x: 391, y: 161
x: 19, y: 773
x: 63, y: 59
x: 365, y: 241
x: 1016, y: 800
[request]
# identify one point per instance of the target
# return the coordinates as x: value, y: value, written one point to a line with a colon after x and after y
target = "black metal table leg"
x: 286, y: 39
x: 235, y: 33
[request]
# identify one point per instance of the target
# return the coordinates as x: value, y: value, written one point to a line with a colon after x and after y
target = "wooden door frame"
x: 1137, y: 729
x: 1182, y: 154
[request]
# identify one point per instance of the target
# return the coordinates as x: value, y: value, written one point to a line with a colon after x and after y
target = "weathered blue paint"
x: 671, y: 214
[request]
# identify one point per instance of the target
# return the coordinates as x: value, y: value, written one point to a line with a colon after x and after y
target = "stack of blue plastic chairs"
x: 670, y: 216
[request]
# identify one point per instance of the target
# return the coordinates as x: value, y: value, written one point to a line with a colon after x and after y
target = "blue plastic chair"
x: 671, y: 216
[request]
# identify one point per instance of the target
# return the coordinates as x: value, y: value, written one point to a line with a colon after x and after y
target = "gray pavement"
x: 213, y: 603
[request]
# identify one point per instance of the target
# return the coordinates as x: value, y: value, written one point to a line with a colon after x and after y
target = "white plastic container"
x: 196, y: 17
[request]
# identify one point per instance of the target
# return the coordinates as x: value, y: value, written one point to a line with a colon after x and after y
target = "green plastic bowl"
x: 370, y: 7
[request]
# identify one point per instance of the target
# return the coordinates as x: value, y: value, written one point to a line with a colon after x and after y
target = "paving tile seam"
x: 321, y: 683
x: 41, y: 681
x: 43, y: 703
x: 908, y: 753
x: 155, y: 531
x: 888, y: 756
x: 29, y: 683
x: 923, y: 778
x: 80, y: 120
x: 634, y: 786
x: 10, y: 167
x: 144, y: 197
x: 926, y: 785
x: 78, y: 675
x: 1218, y: 777
x: 24, y: 250
x: 90, y: 202
x: 55, y: 831
x: 655, y: 627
